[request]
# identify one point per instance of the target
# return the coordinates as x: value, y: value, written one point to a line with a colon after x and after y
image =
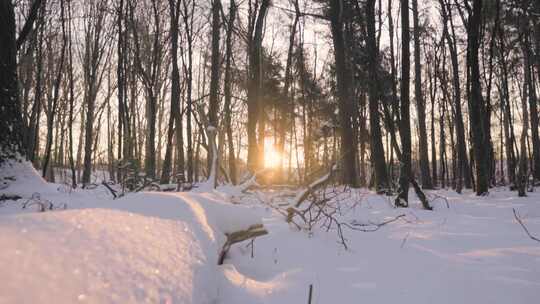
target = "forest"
x: 417, y: 105
x: 296, y: 86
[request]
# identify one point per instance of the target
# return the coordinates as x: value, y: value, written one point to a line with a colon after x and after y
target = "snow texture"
x: 163, y: 248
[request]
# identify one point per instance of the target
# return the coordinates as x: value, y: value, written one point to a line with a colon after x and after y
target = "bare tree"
x: 348, y: 149
x: 405, y: 172
x: 377, y: 149
x: 257, y: 16
x: 95, y: 43
x: 420, y: 103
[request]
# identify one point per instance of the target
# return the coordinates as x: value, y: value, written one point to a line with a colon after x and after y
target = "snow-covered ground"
x: 163, y: 248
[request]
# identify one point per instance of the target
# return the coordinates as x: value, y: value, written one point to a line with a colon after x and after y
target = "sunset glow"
x: 272, y: 157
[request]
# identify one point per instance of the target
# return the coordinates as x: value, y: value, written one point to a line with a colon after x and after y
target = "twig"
x: 375, y: 226
x: 524, y: 227
x: 310, y: 294
x: 113, y: 192
x: 404, y: 240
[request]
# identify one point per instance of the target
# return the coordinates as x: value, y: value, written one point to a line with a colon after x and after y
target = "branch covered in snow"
x: 240, y: 236
x: 43, y: 204
x: 314, y: 186
x: 251, y: 182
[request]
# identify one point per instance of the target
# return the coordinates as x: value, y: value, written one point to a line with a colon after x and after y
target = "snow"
x: 162, y: 247
x: 143, y: 248
x: 474, y: 252
x: 20, y: 178
x: 100, y: 256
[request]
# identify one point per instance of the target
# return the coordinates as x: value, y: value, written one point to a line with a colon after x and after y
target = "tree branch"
x: 28, y: 23
x: 518, y: 219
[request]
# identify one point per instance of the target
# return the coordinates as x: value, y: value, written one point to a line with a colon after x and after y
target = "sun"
x: 272, y: 157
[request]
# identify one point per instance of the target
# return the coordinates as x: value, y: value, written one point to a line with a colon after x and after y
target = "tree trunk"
x: 11, y: 121
x: 174, y: 12
x: 227, y: 92
x: 377, y: 149
x: 254, y: 88
x: 522, y: 176
x: 53, y: 104
x: 213, y: 107
x: 188, y: 70
x: 404, y: 122
x: 420, y: 104
x: 477, y: 109
x: 463, y: 163
x: 531, y: 96
x: 506, y: 110
x: 348, y: 150
x: 432, y: 95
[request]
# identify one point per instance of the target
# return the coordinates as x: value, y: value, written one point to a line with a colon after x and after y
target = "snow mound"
x: 101, y: 256
x: 22, y: 179
x: 142, y: 248
x: 224, y: 216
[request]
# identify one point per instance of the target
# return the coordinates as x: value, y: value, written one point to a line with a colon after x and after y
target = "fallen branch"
x: 436, y: 197
x: 113, y: 192
x: 43, y: 204
x: 302, y: 196
x: 150, y: 185
x: 421, y: 195
x: 251, y: 182
x: 524, y: 227
x: 404, y: 240
x: 325, y: 209
x: 9, y: 197
x: 373, y: 226
x: 240, y: 236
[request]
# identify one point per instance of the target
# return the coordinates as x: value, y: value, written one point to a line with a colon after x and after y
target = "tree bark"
x: 227, y: 92
x: 187, y: 15
x: 463, y: 163
x: 11, y: 121
x: 348, y: 150
x: 404, y: 122
x: 531, y: 96
x: 213, y: 107
x: 420, y: 104
x: 255, y: 159
x: 477, y: 109
x: 92, y: 76
x: 53, y: 104
x: 377, y: 149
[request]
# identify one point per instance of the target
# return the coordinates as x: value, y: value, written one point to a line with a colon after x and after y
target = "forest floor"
x: 157, y: 247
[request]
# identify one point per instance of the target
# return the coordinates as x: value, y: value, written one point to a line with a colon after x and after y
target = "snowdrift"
x: 164, y: 248
x: 143, y: 248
